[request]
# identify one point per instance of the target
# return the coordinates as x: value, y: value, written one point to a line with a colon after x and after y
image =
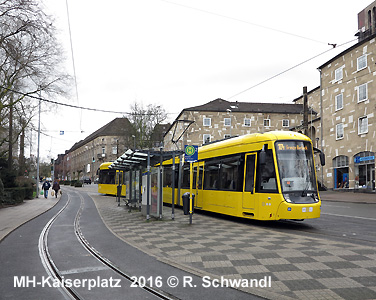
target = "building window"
x: 227, y: 121
x: 341, y: 161
x: 362, y: 62
x: 362, y: 92
x: 339, y: 131
x: 206, y: 138
x: 207, y: 121
x: 339, y: 101
x: 114, y: 150
x: 103, y: 150
x: 266, y: 122
x: 247, y: 122
x: 285, y: 123
x: 363, y: 125
x: 338, y: 74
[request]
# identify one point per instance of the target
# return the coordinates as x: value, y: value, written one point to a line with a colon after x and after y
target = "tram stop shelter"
x: 143, y: 171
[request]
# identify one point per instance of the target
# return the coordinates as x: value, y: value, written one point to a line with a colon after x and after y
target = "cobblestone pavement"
x: 300, y: 267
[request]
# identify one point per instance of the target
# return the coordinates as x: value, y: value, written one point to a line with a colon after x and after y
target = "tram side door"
x: 249, y: 181
x: 198, y: 172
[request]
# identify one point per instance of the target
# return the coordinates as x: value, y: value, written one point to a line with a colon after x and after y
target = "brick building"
x: 219, y: 119
x: 346, y: 101
x: 85, y: 156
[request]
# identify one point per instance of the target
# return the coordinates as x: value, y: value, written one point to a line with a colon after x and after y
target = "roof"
x: 116, y: 127
x: 220, y: 105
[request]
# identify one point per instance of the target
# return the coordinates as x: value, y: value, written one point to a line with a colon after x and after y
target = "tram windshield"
x: 296, y: 167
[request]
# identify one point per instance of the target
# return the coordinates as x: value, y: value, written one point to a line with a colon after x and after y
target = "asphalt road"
x: 23, y: 276
x: 342, y: 221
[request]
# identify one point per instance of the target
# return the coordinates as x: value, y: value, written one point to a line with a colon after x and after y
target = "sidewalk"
x: 299, y: 267
x: 14, y: 216
x: 354, y: 197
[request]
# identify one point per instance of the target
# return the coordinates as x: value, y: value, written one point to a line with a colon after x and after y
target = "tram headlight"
x: 287, y: 198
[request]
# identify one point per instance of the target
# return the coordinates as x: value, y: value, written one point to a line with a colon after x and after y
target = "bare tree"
x: 30, y: 62
x: 144, y: 121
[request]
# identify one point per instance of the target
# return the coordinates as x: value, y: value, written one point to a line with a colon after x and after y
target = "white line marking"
x: 356, y: 217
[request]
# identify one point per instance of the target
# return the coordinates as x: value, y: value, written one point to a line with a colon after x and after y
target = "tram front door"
x: 249, y: 181
x: 198, y: 173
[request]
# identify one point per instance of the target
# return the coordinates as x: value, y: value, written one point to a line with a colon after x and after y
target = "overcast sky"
x: 183, y: 53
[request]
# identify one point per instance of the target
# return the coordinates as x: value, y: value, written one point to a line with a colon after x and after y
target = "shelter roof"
x: 133, y: 159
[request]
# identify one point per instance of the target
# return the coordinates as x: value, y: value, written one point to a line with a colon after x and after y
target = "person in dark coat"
x: 46, y: 186
x: 56, y: 187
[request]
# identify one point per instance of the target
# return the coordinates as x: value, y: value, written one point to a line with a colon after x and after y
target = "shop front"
x: 341, y: 172
x: 364, y: 163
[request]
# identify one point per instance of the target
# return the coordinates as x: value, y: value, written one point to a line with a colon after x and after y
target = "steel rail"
x: 47, y: 262
x: 95, y: 253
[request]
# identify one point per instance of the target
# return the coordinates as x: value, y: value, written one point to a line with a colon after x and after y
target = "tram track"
x: 47, y: 262
x: 56, y: 275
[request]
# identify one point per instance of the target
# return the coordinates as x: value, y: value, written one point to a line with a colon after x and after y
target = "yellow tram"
x: 109, y: 180
x: 267, y: 176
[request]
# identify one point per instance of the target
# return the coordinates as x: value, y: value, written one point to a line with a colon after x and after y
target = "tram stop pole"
x: 190, y: 192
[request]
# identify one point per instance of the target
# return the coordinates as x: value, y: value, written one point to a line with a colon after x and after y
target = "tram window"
x: 266, y: 178
x: 185, y: 183
x: 250, y: 173
x: 230, y: 179
x: 200, y: 174
x: 107, y: 176
x: 194, y: 177
x: 211, y: 180
x: 167, y: 176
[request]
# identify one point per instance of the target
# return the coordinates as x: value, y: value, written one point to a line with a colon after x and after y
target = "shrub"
x: 14, y: 195
x: 73, y: 182
x: 67, y: 182
x: 1, y: 192
x: 78, y: 183
x: 29, y: 192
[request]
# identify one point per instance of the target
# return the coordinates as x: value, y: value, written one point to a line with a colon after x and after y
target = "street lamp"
x: 38, y: 146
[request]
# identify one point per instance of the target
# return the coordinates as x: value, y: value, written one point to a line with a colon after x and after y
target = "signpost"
x: 191, y: 156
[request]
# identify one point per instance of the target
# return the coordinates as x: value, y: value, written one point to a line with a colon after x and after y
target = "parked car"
x: 87, y: 180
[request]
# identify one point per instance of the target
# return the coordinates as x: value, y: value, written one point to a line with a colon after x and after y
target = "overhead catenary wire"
x: 73, y: 64
x: 289, y: 69
x: 76, y: 106
x: 246, y: 22
x: 134, y: 114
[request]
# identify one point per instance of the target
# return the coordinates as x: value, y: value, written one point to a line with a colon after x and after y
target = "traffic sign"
x: 191, y: 153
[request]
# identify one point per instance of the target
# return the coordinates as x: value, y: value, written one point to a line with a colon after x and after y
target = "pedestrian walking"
x: 56, y: 187
x: 46, y: 186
